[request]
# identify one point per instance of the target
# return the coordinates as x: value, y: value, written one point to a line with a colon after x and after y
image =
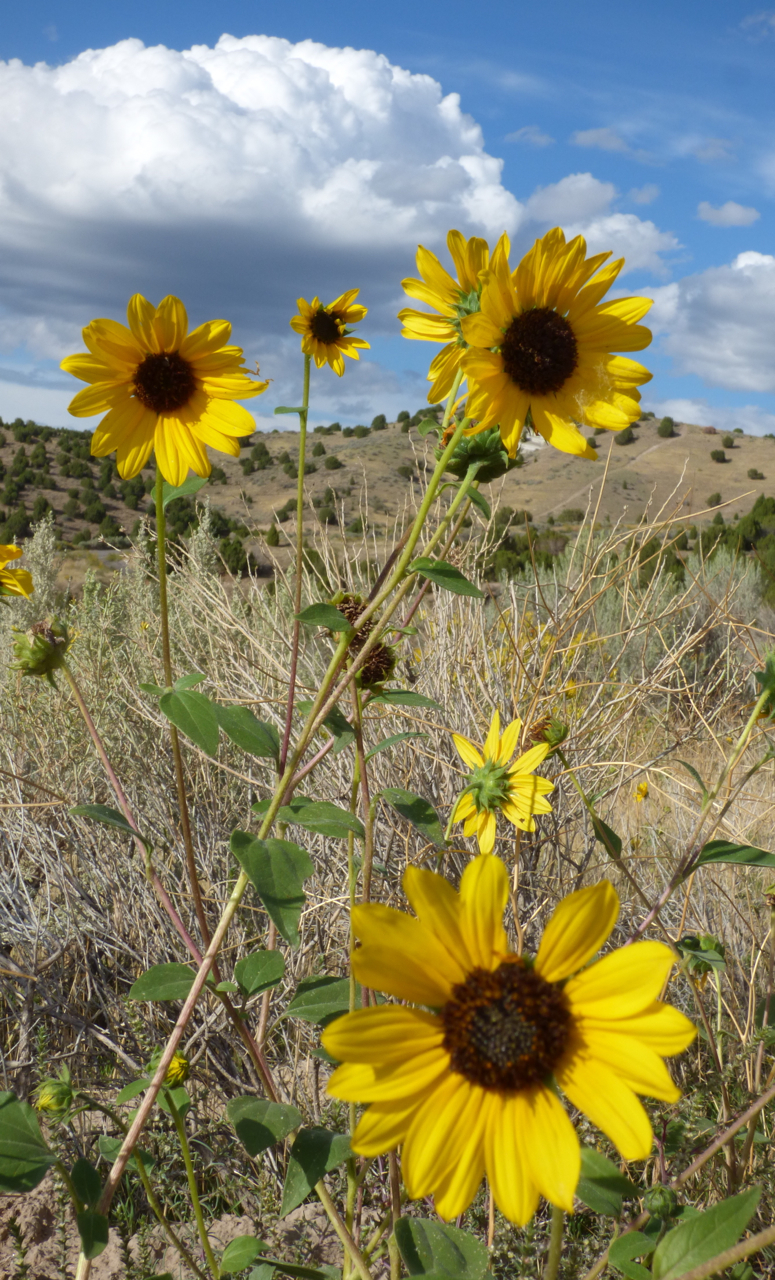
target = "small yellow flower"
x: 467, y: 1083
x: 641, y: 792
x: 177, y: 1071
x: 165, y: 389
x: 55, y: 1094
x: 13, y: 582
x: 324, y: 332
x: 541, y: 347
x: 497, y: 785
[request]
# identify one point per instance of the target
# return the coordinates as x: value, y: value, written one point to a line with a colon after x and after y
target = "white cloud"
x: 606, y: 139
x: 730, y: 214
x: 709, y: 150
x: 578, y: 197
x: 720, y: 324
x: 759, y: 25
x: 531, y: 134
x: 752, y: 419
x: 643, y: 195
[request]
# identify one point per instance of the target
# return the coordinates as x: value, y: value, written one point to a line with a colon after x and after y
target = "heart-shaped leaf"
x: 277, y: 870
x: 194, y: 715
x: 163, y: 982
x: 259, y: 971
x: 418, y: 811
x: 445, y: 575
x: 259, y: 1124
x: 314, y: 1153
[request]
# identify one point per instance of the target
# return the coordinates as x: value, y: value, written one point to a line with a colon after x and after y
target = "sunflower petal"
x: 439, y: 908
x: 492, y: 741
x: 437, y: 1133
x: 577, y: 930
x: 170, y: 323
x: 382, y: 1034
x: 623, y: 983
x: 384, y: 1125
x: 467, y: 751
x: 609, y: 1103
x: 552, y: 1146
x: 401, y: 957
x: 484, y: 892
x: 506, y: 1162
x: 633, y: 1061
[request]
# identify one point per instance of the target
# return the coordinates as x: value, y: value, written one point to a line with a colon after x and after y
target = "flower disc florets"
x: 164, y: 382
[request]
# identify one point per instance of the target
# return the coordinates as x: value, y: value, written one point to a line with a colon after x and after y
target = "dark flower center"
x: 164, y: 382
x: 539, y: 351
x: 507, y: 1029
x: 325, y: 327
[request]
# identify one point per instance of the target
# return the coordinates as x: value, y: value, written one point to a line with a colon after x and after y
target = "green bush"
x: 714, y: 500
x: 625, y: 437
x: 753, y: 474
x: 718, y: 455
x: 403, y: 416
x: 379, y: 423
x: 406, y: 426
x: 72, y: 508
x: 218, y: 476
x: 272, y: 536
x: 327, y: 515
x: 318, y: 450
x: 666, y: 428
x: 355, y: 526
x: 405, y: 470
x: 16, y: 526
x: 728, y: 441
x: 95, y: 512
x: 291, y: 470
x: 571, y: 515
x: 360, y: 431
x: 110, y: 528
x: 332, y: 464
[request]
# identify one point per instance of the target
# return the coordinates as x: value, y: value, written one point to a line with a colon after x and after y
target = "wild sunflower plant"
x: 463, y: 1058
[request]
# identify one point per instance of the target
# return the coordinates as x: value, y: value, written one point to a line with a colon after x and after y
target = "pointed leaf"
x: 93, y: 1230
x: 393, y: 742
x: 239, y: 1253
x: 403, y: 698
x: 418, y: 811
x: 445, y: 575
x: 188, y: 682
x: 337, y: 724
x: 190, y: 486
x: 109, y: 818
x: 155, y: 689
x: 622, y: 1252
x: 610, y: 841
x: 259, y: 1124
x: 163, y: 982
x: 259, y: 971
x: 251, y: 734
x: 194, y: 715
x: 324, y: 615
x: 478, y: 500
x: 178, y: 1095
x: 320, y: 999
x: 740, y: 854
x: 277, y: 870
x: 284, y: 408
x: 691, y: 769
x: 314, y: 1153
x: 110, y: 1147
x: 702, y: 1238
x: 431, y: 1247
x: 87, y: 1183
x: 132, y: 1089
x: 321, y: 816
x: 601, y: 1186
x: 24, y: 1156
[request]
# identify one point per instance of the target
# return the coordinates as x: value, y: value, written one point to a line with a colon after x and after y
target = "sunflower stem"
x: 177, y: 755
x: 180, y: 1129
x: 299, y: 563
x: 552, y: 1268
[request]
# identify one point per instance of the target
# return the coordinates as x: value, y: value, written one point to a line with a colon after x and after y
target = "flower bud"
x: 485, y: 447
x: 55, y: 1094
x: 660, y: 1202
x: 41, y: 650
x: 177, y: 1072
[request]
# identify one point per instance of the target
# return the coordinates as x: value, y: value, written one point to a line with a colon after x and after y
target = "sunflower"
x: 324, y: 332
x: 468, y: 1084
x: 165, y: 389
x: 13, y: 582
x: 541, y: 347
x: 453, y: 299
x: 495, y: 784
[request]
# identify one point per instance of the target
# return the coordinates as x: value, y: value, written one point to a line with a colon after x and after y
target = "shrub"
x: 327, y: 515
x: 272, y: 536
x: 403, y: 416
x: 718, y: 518
x: 218, y: 476
x: 40, y: 507
x: 248, y: 466
x: 379, y: 423
x: 348, y: 431
x: 406, y: 471
x: 291, y: 469
x: 332, y: 464
x: 260, y: 455
x: 571, y: 515
x: 666, y: 428
x: 110, y: 528
x: 335, y: 426
x: 318, y: 450
x: 714, y: 500
x: 753, y: 474
x: 625, y: 437
x: 718, y: 455
x: 95, y: 512
x: 283, y: 457
x: 309, y: 468
x: 355, y: 526
x: 361, y: 431
x: 72, y: 508
x: 16, y: 526
x: 728, y: 442
x: 406, y: 426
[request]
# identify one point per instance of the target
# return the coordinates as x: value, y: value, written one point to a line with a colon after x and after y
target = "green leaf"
x: 87, y: 1183
x: 419, y: 812
x: 188, y: 682
x: 230, y: 988
x: 601, y: 1186
x: 259, y: 971
x: 24, y: 1156
x: 254, y: 736
x: 321, y: 816
x: 283, y: 408
x: 426, y: 425
x: 155, y: 689
x: 691, y: 770
x: 110, y: 1147
x: 320, y: 999
x: 108, y: 817
x: 445, y: 575
x: 163, y: 982
x: 740, y: 854
x: 180, y: 1097
x: 239, y: 1253
x: 132, y: 1089
x: 192, y: 485
x: 610, y: 841
x: 324, y: 615
x: 315, y: 1152
x: 393, y: 742
x: 428, y: 1246
x: 93, y: 1230
x: 259, y: 1123
x: 404, y: 698
x: 194, y: 715
x: 323, y: 1272
x: 710, y: 1233
x: 337, y: 724
x: 277, y: 870
x: 263, y: 1272
x: 622, y: 1252
x: 478, y: 500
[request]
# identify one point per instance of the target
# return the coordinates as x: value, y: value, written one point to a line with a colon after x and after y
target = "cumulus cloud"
x: 720, y: 324
x: 531, y: 134
x: 751, y: 418
x: 605, y: 139
x: 730, y: 214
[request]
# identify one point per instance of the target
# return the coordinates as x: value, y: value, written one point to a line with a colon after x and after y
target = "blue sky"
x: 652, y: 125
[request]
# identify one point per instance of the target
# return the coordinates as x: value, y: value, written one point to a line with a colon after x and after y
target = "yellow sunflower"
x: 13, y: 582
x: 165, y: 389
x: 495, y: 784
x: 324, y: 332
x: 453, y: 299
x: 468, y: 1084
x: 541, y: 347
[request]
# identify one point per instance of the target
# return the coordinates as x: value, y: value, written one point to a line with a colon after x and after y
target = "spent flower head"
x: 498, y: 784
x: 468, y: 1080
x: 165, y: 389
x: 13, y: 582
x: 42, y: 650
x: 324, y: 330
